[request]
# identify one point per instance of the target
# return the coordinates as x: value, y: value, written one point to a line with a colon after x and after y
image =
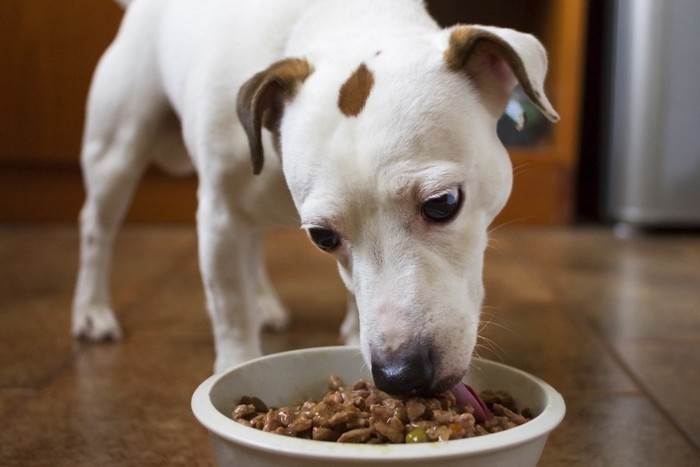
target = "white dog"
x: 377, y: 130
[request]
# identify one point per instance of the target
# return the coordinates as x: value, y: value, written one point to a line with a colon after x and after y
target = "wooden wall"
x: 48, y: 51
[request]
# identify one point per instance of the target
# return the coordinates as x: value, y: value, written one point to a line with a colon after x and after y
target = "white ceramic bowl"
x: 288, y: 377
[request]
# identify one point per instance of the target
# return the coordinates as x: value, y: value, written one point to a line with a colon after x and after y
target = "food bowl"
x: 289, y: 377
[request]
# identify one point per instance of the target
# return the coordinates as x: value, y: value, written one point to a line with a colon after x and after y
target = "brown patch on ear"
x: 355, y: 91
x: 472, y: 50
x: 261, y: 102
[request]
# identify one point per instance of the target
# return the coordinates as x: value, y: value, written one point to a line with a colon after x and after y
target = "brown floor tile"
x: 508, y: 279
x: 542, y: 340
x: 11, y: 399
x: 36, y: 286
x: 36, y: 341
x: 670, y: 371
x: 616, y: 430
x: 173, y: 306
x: 36, y: 275
x: 630, y: 305
x: 118, y: 404
x: 38, y: 260
x: 578, y: 308
x: 144, y: 255
x: 636, y: 287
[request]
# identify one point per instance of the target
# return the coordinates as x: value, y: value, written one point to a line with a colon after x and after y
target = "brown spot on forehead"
x: 355, y: 91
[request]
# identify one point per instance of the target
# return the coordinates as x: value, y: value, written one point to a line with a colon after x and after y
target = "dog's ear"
x: 261, y: 101
x: 496, y: 59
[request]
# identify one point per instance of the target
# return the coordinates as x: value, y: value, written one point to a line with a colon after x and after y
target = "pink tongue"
x: 467, y: 396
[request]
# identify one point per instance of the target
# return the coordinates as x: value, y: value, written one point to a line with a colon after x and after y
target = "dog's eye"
x: 443, y: 207
x: 325, y: 239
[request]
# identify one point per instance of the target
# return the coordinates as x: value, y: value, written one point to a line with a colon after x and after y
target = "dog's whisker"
x: 490, y: 345
x: 475, y: 363
x: 364, y: 366
x: 488, y: 323
x: 517, y: 220
x: 487, y: 343
x: 488, y: 316
x: 493, y: 244
x: 475, y: 352
x: 520, y: 168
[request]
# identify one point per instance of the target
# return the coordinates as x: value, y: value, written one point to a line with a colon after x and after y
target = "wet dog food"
x: 361, y: 413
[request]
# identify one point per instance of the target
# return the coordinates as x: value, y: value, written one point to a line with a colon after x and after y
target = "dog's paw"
x: 274, y: 315
x: 96, y: 324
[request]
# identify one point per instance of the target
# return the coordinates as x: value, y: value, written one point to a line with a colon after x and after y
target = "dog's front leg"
x: 92, y: 317
x: 225, y: 245
x: 112, y: 165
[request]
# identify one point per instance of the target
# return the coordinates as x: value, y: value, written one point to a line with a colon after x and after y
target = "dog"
x: 361, y: 121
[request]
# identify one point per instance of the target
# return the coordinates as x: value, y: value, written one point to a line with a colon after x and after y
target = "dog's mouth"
x: 465, y: 395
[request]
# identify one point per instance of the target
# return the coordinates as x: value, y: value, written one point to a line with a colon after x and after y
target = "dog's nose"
x: 409, y: 375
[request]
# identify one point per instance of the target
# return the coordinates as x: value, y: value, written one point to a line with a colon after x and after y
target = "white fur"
x: 424, y: 129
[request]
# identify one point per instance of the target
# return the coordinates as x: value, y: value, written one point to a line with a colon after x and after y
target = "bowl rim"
x: 225, y: 427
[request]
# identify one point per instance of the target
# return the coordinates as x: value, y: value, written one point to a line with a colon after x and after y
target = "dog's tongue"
x: 467, y: 396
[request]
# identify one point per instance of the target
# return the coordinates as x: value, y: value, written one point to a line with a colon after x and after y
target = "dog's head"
x: 396, y: 169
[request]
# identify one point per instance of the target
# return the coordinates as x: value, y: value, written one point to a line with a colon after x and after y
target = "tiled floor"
x: 613, y: 324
